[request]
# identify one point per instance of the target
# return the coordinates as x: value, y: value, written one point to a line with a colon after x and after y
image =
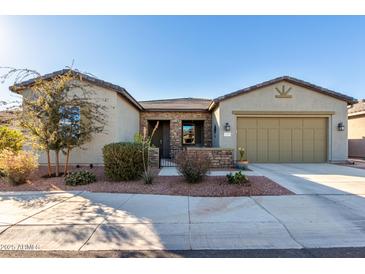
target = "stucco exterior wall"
x: 356, y: 126
x: 127, y: 120
x: 215, y: 126
x: 303, y: 100
x: 122, y: 123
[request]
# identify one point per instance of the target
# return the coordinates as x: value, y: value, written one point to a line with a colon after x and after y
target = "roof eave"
x: 175, y: 110
x: 213, y: 105
x: 339, y: 96
x: 18, y: 88
x: 359, y: 113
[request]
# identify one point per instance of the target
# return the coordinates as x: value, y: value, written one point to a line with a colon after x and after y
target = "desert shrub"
x: 17, y: 166
x: 123, y: 161
x: 80, y: 177
x: 148, y: 176
x: 192, y: 166
x: 11, y: 139
x: 237, y: 178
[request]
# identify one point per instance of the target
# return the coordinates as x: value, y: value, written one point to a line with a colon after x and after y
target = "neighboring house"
x: 356, y: 116
x: 7, y: 117
x: 281, y: 120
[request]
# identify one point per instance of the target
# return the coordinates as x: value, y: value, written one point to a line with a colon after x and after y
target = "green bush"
x: 11, y: 139
x: 237, y: 178
x: 123, y: 161
x: 193, y: 166
x: 80, y: 177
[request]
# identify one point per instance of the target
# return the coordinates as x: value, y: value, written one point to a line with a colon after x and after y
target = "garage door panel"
x: 268, y: 123
x: 273, y: 145
x: 319, y: 134
x: 297, y: 145
x: 285, y: 145
x: 283, y: 139
x: 262, y: 145
x: 247, y: 123
x: 312, y: 123
x: 252, y: 144
x: 308, y: 145
x: 291, y: 123
x: 320, y: 150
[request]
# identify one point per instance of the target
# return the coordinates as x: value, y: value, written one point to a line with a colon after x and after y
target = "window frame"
x: 191, y: 124
x: 66, y: 123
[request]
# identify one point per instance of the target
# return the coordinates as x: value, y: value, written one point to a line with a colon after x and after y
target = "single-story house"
x: 356, y: 117
x: 280, y: 120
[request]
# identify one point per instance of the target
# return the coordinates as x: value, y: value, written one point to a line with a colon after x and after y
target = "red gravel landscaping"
x: 212, y: 186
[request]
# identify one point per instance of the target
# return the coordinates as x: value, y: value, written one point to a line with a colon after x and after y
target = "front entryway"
x: 161, y: 137
x: 285, y: 140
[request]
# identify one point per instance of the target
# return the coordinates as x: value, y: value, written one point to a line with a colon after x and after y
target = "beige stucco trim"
x: 291, y: 113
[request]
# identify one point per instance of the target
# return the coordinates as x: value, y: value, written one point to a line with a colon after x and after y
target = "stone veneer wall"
x: 176, y: 118
x: 154, y: 157
x: 220, y: 157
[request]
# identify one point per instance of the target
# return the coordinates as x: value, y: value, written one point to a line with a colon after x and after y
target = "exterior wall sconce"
x: 340, y: 126
x: 227, y: 127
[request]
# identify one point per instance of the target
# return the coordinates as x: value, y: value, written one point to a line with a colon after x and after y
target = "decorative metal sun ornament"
x: 283, y: 92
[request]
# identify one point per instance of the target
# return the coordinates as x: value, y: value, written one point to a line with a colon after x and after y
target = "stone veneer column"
x: 175, y: 133
x: 208, y: 133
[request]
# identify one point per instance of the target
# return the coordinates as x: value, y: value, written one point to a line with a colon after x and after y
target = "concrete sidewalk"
x: 105, y: 221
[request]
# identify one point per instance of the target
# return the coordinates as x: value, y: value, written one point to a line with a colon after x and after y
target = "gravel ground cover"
x: 211, y: 186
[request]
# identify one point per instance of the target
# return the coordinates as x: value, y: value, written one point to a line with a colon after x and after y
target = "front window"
x: 69, y: 115
x: 188, y: 134
x: 70, y: 121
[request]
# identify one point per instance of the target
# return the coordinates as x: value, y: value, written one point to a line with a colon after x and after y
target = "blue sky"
x: 157, y: 57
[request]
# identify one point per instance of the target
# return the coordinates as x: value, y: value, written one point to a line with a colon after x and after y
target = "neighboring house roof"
x: 186, y: 104
x: 8, y: 117
x: 120, y: 90
x: 357, y: 109
x: 337, y: 95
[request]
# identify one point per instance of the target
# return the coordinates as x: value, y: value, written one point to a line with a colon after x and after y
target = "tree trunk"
x: 49, y: 163
x: 57, y: 152
x: 66, y: 163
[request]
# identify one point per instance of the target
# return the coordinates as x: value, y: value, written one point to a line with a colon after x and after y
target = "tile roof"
x: 20, y: 86
x: 186, y: 104
x: 358, y: 108
x: 193, y: 104
x: 348, y: 99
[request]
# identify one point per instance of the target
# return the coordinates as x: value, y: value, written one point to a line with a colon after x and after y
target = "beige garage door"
x: 272, y: 140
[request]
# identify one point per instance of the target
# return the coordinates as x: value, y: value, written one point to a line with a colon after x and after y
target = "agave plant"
x: 242, y: 152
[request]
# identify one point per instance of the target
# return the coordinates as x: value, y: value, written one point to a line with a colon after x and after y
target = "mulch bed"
x: 211, y: 186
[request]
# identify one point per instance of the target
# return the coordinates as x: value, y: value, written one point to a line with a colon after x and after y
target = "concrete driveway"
x: 327, y: 215
x: 315, y: 178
